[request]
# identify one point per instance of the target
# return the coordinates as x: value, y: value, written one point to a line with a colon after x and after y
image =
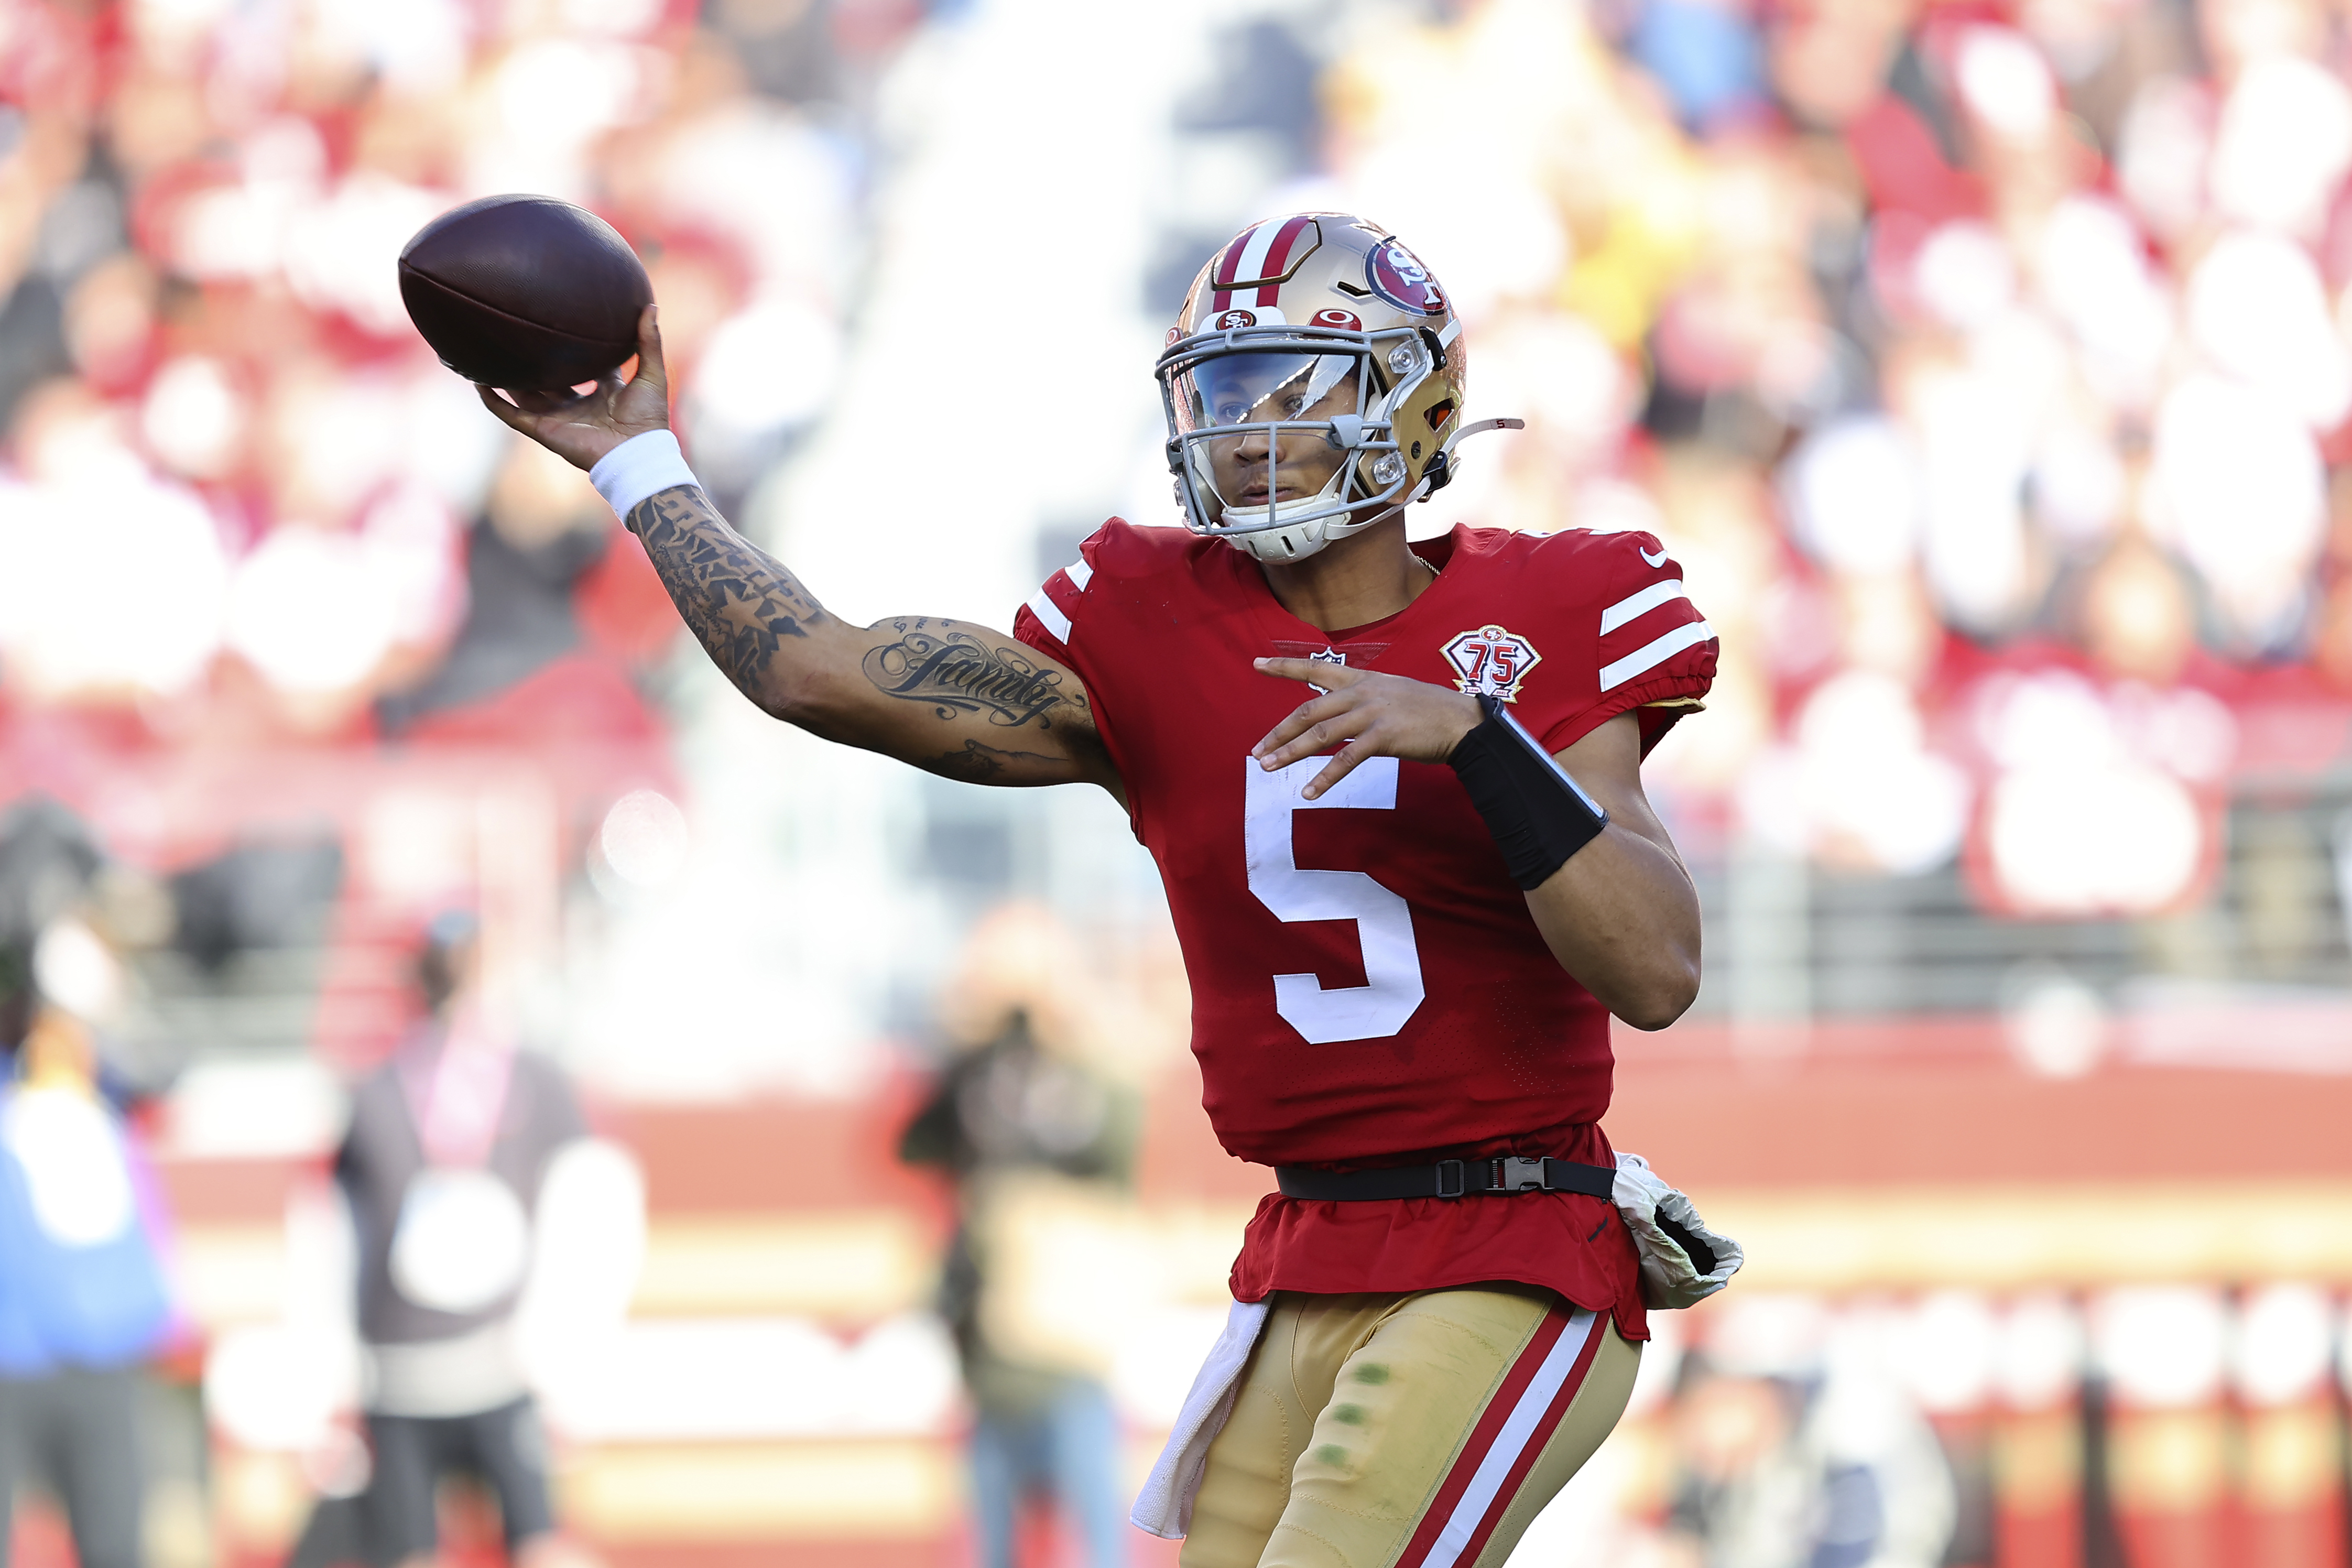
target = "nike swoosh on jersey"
x: 1657, y: 560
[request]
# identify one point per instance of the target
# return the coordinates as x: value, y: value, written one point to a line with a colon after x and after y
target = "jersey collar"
x: 1275, y: 625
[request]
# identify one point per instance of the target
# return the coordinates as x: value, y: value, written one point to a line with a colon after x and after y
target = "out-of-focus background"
x: 1986, y: 365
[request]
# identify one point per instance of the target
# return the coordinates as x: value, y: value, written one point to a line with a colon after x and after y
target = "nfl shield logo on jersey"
x: 1491, y: 662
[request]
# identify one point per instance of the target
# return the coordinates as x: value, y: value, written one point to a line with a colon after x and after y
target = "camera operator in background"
x: 485, y: 1217
x: 1791, y: 1457
x: 1040, y: 1146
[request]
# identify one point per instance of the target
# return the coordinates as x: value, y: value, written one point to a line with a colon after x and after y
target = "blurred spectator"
x: 83, y: 1301
x: 453, y: 1144
x: 1789, y: 1459
x: 257, y: 895
x: 47, y: 862
x: 1038, y: 1141
x: 542, y: 532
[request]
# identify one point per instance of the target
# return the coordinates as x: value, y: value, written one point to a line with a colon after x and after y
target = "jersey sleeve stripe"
x: 1641, y: 603
x: 1079, y: 573
x: 1654, y: 653
x: 1049, y: 616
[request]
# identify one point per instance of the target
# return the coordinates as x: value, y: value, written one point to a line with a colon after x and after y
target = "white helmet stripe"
x: 1245, y: 262
x: 1278, y: 260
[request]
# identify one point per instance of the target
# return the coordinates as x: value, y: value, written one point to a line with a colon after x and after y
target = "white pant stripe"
x: 1511, y: 1441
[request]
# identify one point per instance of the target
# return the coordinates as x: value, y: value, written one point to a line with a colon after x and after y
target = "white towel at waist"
x: 1164, y: 1506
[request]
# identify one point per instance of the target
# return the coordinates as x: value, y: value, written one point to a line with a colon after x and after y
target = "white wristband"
x: 640, y: 467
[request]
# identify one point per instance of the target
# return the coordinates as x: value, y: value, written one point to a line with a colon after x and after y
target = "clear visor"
x: 1257, y: 388
x: 1264, y: 438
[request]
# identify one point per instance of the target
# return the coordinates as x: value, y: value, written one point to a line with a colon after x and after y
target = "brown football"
x: 525, y: 292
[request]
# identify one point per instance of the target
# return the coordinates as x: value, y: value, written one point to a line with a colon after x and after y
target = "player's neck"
x: 1353, y: 581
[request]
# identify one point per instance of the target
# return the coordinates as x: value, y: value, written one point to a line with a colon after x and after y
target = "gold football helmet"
x: 1316, y: 339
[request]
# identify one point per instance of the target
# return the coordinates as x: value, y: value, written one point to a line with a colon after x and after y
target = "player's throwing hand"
x: 1378, y: 715
x: 580, y: 427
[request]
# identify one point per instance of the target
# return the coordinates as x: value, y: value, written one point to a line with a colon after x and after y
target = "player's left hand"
x: 1378, y: 716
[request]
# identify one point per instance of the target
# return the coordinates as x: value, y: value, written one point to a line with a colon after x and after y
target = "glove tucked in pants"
x: 1406, y: 1431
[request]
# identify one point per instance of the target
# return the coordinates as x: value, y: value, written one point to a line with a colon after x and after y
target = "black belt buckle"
x: 1451, y: 1182
x: 1514, y: 1174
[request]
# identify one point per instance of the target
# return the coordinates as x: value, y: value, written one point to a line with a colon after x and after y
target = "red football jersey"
x: 1367, y: 986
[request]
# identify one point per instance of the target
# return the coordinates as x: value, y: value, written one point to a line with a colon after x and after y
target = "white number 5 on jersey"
x: 1383, y: 920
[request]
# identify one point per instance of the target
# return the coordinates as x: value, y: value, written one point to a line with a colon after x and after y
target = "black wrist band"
x: 1539, y: 815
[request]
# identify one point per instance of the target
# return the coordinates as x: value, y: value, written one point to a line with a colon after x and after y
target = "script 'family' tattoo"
x: 958, y: 673
x: 739, y: 601
x: 743, y: 605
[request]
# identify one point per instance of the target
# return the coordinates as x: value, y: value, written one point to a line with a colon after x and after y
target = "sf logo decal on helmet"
x: 1284, y: 437
x: 1397, y: 276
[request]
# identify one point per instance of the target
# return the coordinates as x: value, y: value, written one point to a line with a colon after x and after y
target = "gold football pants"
x: 1416, y: 1431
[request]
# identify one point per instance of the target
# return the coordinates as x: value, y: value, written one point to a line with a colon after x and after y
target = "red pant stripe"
x: 1512, y: 1418
x: 1553, y: 1416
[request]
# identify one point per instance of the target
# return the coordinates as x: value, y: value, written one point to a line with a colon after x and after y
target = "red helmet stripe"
x: 1278, y: 257
x: 1250, y: 263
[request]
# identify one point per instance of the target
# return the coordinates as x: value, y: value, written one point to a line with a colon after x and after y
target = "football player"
x: 1394, y: 792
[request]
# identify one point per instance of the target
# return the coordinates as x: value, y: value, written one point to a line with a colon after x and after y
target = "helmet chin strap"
x: 1301, y: 539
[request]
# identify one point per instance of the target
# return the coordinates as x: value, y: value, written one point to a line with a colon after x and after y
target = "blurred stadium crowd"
x: 203, y: 342
x: 1984, y: 363
x: 1988, y: 365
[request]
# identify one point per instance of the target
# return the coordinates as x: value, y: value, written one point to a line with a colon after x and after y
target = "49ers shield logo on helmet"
x: 1397, y: 276
x: 1491, y: 661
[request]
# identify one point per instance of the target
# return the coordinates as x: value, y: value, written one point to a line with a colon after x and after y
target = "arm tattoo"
x: 977, y: 763
x: 737, y: 599
x: 742, y: 605
x: 958, y: 673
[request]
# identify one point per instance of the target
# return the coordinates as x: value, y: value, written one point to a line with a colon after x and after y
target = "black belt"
x: 1448, y: 1179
